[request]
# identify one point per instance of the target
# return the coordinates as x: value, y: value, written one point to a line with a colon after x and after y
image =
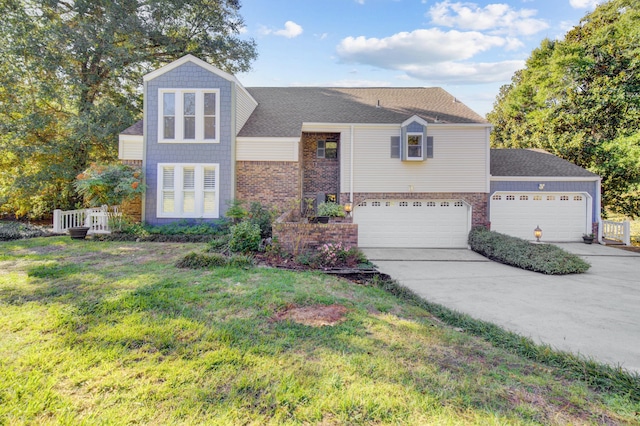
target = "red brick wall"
x: 273, y: 183
x: 296, y: 237
x: 477, y: 200
x: 319, y: 174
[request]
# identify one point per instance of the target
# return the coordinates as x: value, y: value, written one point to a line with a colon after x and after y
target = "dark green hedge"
x: 544, y: 258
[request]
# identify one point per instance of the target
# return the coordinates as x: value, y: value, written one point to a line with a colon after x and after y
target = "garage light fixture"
x: 348, y: 207
x: 537, y: 233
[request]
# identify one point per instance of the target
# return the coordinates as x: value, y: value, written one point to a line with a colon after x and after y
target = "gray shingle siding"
x: 188, y: 76
x: 415, y: 127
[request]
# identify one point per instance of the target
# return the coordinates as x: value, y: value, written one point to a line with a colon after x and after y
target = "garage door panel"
x: 561, y: 216
x: 412, y: 223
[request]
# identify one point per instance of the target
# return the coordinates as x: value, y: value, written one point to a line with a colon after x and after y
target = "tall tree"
x: 70, y: 75
x: 578, y: 98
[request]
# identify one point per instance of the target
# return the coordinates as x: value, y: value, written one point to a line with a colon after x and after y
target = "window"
x: 524, y: 197
x: 414, y: 146
x: 189, y: 116
x: 511, y: 197
x: 327, y: 149
x: 564, y: 198
x: 497, y: 197
x: 188, y: 191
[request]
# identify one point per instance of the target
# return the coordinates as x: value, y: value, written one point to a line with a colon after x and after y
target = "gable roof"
x: 282, y: 110
x: 530, y: 162
x: 136, y: 129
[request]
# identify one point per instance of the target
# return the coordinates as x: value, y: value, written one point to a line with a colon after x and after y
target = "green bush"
x: 202, y: 261
x: 263, y: 217
x: 219, y: 244
x: 544, y: 258
x: 17, y: 230
x: 240, y: 261
x: 245, y: 237
x: 330, y: 209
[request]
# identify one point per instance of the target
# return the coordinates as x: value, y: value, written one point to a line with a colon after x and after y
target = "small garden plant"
x: 18, y: 230
x: 544, y: 258
x: 330, y: 209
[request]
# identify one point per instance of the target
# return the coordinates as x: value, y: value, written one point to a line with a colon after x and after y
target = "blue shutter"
x: 395, y: 146
x: 403, y: 144
x: 429, y: 147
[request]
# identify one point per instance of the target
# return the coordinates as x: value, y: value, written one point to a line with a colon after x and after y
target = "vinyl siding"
x: 261, y: 149
x: 459, y: 162
x: 130, y: 147
x: 245, y: 105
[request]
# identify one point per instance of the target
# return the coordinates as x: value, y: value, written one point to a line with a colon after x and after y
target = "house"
x: 414, y: 162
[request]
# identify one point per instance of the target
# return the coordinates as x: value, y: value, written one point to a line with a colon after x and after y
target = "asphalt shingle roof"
x: 135, y: 129
x: 282, y: 110
x: 529, y: 162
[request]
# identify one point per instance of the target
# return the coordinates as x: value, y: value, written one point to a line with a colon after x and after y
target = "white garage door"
x: 561, y: 216
x: 412, y: 223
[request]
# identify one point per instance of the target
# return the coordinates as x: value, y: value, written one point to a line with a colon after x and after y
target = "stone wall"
x: 272, y: 183
x: 477, y: 200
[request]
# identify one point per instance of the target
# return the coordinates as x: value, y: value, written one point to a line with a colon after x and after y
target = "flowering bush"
x: 333, y: 254
x: 109, y: 184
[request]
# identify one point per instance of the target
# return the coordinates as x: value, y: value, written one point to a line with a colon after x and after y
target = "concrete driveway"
x: 596, y: 314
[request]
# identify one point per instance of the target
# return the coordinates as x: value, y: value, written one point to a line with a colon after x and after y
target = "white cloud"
x: 497, y: 18
x: 359, y: 1
x: 322, y: 36
x: 584, y: 4
x: 290, y: 30
x: 419, y: 47
x: 464, y: 73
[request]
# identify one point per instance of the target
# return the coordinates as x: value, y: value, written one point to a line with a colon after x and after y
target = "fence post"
x: 87, y: 218
x: 627, y: 233
x: 57, y: 219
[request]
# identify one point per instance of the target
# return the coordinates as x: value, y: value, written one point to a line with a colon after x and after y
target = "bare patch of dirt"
x: 314, y: 316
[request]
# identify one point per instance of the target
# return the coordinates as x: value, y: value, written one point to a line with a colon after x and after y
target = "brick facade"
x: 319, y: 174
x: 272, y: 183
x: 297, y: 237
x: 477, y: 200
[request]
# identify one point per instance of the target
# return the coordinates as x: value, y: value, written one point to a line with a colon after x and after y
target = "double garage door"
x: 412, y: 223
x: 562, y: 216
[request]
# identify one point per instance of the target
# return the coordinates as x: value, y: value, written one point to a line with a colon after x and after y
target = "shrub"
x: 544, y: 258
x: 202, y: 261
x: 263, y: 217
x: 16, y: 230
x: 109, y: 183
x: 219, y: 244
x: 330, y: 209
x: 245, y: 237
x: 240, y: 261
x: 236, y: 211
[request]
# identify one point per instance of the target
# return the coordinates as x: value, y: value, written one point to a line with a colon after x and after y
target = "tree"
x: 70, y: 76
x: 578, y: 98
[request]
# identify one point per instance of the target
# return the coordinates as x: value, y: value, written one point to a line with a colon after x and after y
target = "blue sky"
x: 468, y: 48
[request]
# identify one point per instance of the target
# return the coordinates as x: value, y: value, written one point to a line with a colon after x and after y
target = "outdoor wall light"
x: 537, y: 233
x: 348, y: 207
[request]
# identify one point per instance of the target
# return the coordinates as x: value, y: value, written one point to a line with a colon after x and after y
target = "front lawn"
x: 113, y: 332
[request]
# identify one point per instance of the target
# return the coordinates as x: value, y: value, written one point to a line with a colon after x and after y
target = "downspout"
x: 234, y: 133
x: 351, y: 167
x: 598, y: 208
x: 145, y: 122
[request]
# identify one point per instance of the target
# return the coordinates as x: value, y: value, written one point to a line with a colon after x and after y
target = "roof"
x: 136, y: 129
x: 530, y: 162
x: 282, y: 110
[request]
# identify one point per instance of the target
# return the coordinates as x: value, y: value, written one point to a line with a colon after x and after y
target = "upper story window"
x: 189, y: 116
x: 414, y: 146
x: 327, y: 149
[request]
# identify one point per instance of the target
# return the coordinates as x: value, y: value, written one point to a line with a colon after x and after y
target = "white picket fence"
x: 97, y: 219
x: 618, y: 231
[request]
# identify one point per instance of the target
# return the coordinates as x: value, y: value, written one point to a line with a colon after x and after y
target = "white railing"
x: 96, y: 219
x: 619, y: 231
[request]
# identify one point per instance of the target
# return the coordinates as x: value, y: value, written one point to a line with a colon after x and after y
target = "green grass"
x: 113, y: 333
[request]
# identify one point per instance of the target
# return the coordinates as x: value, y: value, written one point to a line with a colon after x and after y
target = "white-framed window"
x: 189, y: 115
x: 188, y: 191
x: 414, y: 146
